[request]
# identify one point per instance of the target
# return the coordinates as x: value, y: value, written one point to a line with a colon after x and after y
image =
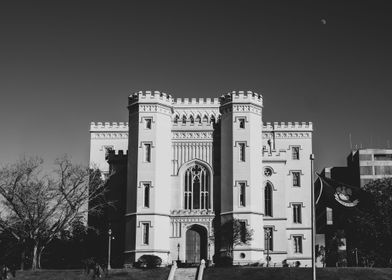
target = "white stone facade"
x: 203, y: 158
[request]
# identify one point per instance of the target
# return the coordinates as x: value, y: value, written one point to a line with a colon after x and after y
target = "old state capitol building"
x: 190, y: 162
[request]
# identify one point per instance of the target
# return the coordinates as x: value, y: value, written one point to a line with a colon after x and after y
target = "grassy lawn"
x: 256, y: 273
x: 115, y: 274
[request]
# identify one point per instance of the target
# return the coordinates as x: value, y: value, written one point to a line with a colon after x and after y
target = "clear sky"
x: 66, y: 63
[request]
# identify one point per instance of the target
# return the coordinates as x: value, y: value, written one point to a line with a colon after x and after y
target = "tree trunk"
x: 22, y: 258
x: 39, y: 256
x: 35, y: 257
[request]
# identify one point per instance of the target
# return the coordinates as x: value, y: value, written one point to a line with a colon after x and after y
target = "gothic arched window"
x: 184, y: 119
x: 176, y: 118
x: 198, y: 119
x: 268, y: 200
x: 197, y: 188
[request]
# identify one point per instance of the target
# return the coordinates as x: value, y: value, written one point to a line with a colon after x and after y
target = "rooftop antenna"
x: 351, y: 142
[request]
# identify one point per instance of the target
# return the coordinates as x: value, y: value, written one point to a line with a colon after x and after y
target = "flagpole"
x: 313, y: 217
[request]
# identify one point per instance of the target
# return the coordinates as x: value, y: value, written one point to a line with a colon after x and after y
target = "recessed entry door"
x: 192, y: 246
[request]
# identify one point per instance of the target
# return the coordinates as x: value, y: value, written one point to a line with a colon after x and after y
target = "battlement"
x: 274, y: 155
x: 117, y: 153
x: 109, y: 126
x: 242, y: 97
x: 194, y: 102
x: 289, y: 126
x: 117, y: 157
x: 150, y: 96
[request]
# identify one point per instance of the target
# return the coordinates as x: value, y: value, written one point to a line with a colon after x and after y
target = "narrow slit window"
x: 242, y: 194
x: 241, y: 122
x: 146, y: 195
x: 147, y: 152
x: 148, y: 123
x: 297, y: 244
x: 242, y: 151
x: 146, y: 233
x: 296, y: 179
x: 297, y: 215
x: 268, y: 200
x: 295, y: 153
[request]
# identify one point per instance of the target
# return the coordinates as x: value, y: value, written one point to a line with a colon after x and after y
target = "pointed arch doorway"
x: 196, y: 244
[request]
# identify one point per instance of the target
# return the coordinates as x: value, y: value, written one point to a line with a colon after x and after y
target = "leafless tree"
x: 36, y: 208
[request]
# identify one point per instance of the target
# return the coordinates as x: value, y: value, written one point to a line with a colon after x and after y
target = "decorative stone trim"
x: 193, y: 212
x: 186, y: 135
x: 110, y: 135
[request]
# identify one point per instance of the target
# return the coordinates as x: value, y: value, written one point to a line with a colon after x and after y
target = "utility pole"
x: 313, y: 219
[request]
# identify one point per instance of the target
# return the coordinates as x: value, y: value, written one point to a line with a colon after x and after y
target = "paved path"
x: 185, y: 273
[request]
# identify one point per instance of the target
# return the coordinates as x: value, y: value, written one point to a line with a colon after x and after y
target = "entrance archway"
x: 196, y: 244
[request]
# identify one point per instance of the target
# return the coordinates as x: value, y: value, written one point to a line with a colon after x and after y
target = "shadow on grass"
x: 257, y: 273
x: 115, y: 274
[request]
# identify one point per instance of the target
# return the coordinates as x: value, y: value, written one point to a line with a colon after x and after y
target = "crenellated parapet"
x: 288, y: 126
x: 150, y: 96
x: 274, y: 155
x: 282, y: 130
x: 195, y: 102
x: 241, y: 101
x: 109, y: 126
x: 116, y: 155
x: 116, y: 158
x: 242, y: 96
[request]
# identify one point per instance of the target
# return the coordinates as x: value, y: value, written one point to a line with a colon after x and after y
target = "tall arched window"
x: 197, y: 188
x: 268, y: 200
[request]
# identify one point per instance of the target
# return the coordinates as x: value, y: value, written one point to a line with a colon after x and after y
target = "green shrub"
x: 148, y: 261
x: 223, y: 261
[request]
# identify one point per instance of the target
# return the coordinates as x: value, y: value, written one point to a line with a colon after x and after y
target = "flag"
x: 336, y: 194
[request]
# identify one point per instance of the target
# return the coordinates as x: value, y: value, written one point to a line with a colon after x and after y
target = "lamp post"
x: 313, y: 218
x: 356, y: 256
x: 268, y: 237
x: 178, y: 252
x: 109, y: 247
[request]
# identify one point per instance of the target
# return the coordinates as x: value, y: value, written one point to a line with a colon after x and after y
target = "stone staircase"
x: 185, y: 273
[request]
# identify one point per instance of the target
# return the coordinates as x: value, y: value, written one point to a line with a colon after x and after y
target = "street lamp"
x: 178, y: 252
x: 109, y: 247
x: 268, y: 237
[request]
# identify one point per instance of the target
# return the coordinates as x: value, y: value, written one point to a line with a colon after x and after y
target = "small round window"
x: 242, y: 256
x: 267, y: 172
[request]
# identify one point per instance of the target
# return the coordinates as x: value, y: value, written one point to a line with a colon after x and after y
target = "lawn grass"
x: 115, y: 274
x: 257, y: 273
x: 214, y: 273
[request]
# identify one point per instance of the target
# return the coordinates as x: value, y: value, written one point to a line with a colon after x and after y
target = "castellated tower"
x: 241, y: 162
x: 149, y: 180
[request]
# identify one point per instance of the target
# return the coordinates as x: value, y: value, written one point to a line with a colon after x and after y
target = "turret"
x: 241, y: 162
x: 148, y: 174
